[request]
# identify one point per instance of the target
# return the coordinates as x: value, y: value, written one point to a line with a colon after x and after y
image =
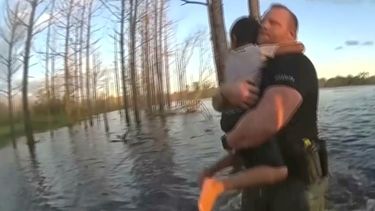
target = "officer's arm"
x: 257, y: 176
x: 275, y: 108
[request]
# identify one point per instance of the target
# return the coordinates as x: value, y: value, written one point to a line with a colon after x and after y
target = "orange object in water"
x: 211, y: 190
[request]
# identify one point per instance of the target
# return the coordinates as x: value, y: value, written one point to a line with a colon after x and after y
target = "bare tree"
x: 166, y: 62
x: 106, y: 99
x: 47, y: 64
x: 183, y: 56
x: 68, y: 91
x: 132, y: 31
x: 30, y: 33
x: 13, y: 36
x: 123, y: 70
x: 81, y: 44
x: 115, y: 70
x: 88, y: 43
x: 146, y: 55
x: 160, y: 53
x: 205, y: 70
x: 76, y: 77
x: 95, y: 78
x: 157, y: 54
x: 254, y: 9
x: 53, y: 67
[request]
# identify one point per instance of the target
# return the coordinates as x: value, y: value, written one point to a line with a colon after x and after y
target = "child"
x: 264, y: 164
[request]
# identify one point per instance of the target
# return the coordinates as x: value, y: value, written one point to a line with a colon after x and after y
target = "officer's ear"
x: 233, y: 41
x: 293, y: 34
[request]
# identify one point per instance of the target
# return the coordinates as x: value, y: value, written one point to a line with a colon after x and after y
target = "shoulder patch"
x: 285, y: 78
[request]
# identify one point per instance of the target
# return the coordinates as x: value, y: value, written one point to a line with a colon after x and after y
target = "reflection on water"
x: 156, y: 168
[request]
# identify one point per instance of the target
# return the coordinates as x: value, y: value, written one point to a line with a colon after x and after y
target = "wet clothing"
x: 297, y: 146
x: 285, y: 196
x: 303, y: 153
x: 295, y: 71
x: 267, y: 154
x: 246, y: 62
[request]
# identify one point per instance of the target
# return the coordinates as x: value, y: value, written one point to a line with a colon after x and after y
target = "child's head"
x: 244, y: 31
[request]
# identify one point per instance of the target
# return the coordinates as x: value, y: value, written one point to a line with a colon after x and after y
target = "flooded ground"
x: 156, y: 168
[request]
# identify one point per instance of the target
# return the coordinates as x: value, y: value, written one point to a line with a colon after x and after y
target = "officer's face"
x: 276, y: 27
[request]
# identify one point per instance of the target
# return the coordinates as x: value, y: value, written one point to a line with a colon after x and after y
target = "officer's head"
x: 244, y: 31
x: 279, y: 25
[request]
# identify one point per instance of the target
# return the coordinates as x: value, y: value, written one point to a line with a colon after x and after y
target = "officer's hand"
x: 243, y: 94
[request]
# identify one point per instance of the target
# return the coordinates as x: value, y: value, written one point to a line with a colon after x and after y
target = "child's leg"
x: 237, y: 162
x: 261, y: 175
x: 257, y: 176
x: 211, y: 190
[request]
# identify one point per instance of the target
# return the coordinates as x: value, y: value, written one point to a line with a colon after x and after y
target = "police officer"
x: 286, y: 111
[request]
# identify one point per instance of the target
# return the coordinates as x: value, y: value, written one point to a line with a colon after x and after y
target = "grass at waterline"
x: 39, y: 124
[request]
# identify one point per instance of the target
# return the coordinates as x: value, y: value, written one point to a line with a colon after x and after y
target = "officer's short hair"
x: 292, y: 15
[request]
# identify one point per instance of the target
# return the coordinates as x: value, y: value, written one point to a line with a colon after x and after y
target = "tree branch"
x: 109, y: 8
x: 3, y: 59
x: 3, y: 92
x: 193, y: 2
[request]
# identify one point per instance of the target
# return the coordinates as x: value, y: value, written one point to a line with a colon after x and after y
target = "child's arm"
x: 243, y: 94
x: 290, y: 48
x: 270, y: 51
x: 257, y: 176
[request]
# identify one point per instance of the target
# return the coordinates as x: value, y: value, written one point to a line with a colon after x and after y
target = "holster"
x: 323, y: 156
x: 316, y: 157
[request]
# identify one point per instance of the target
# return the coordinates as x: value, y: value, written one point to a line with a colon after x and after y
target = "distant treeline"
x: 362, y: 78
x: 193, y: 95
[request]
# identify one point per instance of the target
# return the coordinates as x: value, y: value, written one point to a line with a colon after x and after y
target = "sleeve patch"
x: 284, y: 78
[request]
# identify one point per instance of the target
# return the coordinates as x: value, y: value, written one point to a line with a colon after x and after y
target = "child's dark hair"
x: 245, y: 30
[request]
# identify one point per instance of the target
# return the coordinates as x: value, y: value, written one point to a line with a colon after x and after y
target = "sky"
x: 339, y: 35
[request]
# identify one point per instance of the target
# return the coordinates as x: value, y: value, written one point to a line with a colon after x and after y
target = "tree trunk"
x: 76, y: 88
x: 132, y: 31
x: 147, y: 58
x: 166, y: 63
x: 67, y: 78
x: 88, y: 100
x: 218, y: 36
x: 106, y: 95
x: 254, y: 9
x: 160, y: 53
x: 52, y: 75
x: 80, y: 58
x: 25, y: 102
x: 10, y: 113
x: 95, y: 71
x: 153, y: 83
x: 47, y: 77
x: 116, y: 73
x: 122, y: 53
x: 157, y: 56
x: 9, y: 61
